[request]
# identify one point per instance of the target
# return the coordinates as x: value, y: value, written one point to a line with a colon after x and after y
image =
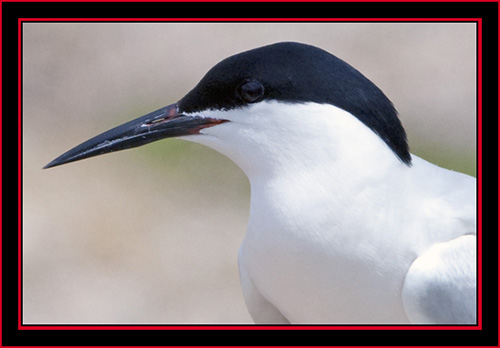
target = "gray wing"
x: 440, y: 286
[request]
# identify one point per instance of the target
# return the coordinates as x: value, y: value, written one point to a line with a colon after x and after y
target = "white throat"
x: 275, y: 138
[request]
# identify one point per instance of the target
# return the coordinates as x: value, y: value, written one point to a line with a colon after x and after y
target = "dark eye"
x: 250, y: 91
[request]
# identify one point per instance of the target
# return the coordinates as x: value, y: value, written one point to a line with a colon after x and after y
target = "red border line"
x: 247, y: 327
x: 248, y: 1
x: 19, y: 169
x: 22, y: 326
x: 1, y: 175
x: 479, y: 164
x: 260, y: 20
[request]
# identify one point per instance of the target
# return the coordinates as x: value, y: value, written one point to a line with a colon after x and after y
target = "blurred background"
x: 151, y: 235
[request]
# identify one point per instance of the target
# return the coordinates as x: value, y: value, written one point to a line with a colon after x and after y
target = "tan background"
x: 151, y: 235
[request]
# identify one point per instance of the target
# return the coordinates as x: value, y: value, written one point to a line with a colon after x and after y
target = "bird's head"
x: 264, y: 104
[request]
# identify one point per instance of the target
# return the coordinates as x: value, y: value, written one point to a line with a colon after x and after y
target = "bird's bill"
x: 163, y: 123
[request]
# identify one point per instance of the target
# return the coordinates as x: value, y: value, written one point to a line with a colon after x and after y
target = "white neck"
x: 274, y: 138
x: 299, y: 156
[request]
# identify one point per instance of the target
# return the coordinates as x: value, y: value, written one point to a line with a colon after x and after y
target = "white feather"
x: 336, y: 219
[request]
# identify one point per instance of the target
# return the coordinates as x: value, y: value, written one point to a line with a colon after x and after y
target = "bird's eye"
x: 250, y: 91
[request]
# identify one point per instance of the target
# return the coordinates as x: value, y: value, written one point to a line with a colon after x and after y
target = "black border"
x: 11, y: 11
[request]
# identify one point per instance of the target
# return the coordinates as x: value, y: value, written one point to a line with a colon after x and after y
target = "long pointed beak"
x: 166, y: 122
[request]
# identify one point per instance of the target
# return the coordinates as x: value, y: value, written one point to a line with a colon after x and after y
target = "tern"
x: 345, y: 225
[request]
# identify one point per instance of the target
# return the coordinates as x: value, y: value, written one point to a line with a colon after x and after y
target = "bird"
x: 346, y: 226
